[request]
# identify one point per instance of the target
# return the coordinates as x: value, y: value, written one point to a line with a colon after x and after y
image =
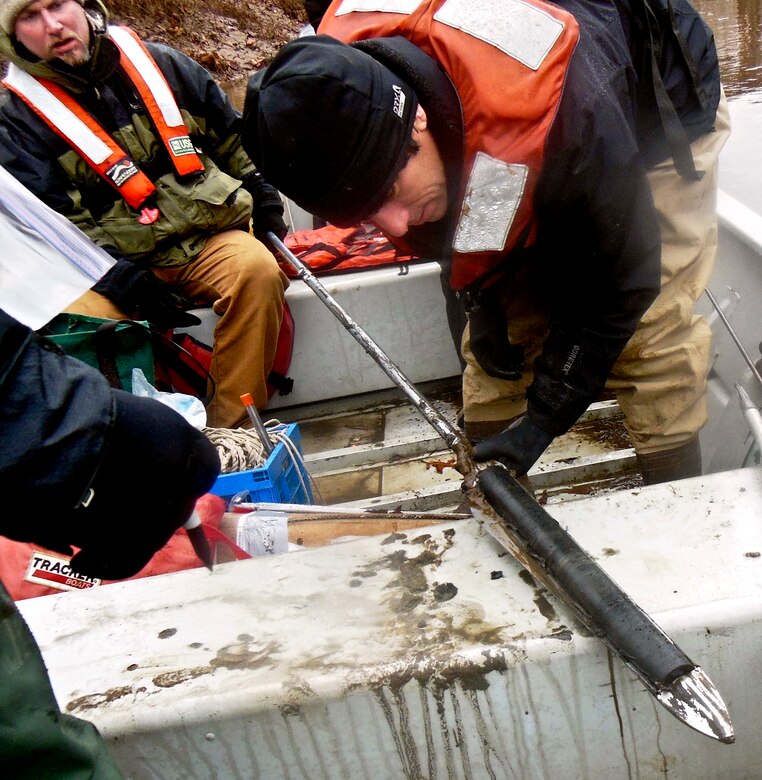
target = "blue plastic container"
x: 278, y: 481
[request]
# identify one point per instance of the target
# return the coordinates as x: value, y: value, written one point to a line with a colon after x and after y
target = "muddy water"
x: 737, y: 26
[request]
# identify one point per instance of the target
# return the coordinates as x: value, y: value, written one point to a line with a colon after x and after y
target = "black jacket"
x: 55, y: 417
x: 598, y: 242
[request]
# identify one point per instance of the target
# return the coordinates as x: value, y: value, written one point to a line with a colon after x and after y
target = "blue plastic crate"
x: 278, y: 481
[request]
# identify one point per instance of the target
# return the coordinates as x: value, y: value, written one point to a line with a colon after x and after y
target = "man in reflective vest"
x: 140, y: 148
x: 561, y: 159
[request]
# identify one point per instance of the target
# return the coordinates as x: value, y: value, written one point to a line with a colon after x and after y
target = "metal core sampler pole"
x: 539, y: 543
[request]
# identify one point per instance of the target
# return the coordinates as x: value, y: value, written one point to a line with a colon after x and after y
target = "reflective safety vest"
x: 66, y: 117
x: 508, y: 61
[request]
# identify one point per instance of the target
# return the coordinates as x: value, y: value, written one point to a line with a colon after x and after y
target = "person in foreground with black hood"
x: 560, y: 160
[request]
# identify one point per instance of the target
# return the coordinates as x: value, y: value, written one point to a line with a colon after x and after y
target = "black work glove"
x: 489, y: 341
x: 517, y: 447
x: 136, y: 291
x: 267, y: 211
x: 143, y: 490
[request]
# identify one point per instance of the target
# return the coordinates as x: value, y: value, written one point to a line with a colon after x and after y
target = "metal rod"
x: 198, y: 540
x: 451, y: 435
x: 744, y: 354
x: 539, y: 543
x: 752, y: 415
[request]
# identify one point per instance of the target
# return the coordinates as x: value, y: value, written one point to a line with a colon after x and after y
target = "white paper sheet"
x: 45, y: 261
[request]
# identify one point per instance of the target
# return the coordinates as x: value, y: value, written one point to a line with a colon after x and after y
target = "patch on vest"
x: 122, y: 170
x: 56, y: 572
x: 493, y: 194
x: 519, y: 30
x: 384, y: 6
x: 181, y: 145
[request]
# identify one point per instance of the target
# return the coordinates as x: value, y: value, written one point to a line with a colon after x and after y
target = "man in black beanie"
x: 561, y: 159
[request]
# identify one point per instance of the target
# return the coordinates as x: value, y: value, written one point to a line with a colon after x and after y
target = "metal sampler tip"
x: 694, y: 700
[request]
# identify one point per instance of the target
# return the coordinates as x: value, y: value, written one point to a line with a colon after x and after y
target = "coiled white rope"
x: 240, y: 449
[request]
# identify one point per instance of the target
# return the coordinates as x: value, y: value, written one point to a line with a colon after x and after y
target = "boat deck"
x: 379, y: 453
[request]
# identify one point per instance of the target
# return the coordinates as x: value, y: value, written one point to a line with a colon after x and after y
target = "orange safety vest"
x: 331, y: 249
x: 66, y: 117
x: 508, y: 61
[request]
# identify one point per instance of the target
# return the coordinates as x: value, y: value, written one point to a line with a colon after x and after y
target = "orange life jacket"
x: 331, y: 249
x: 64, y: 115
x: 508, y: 61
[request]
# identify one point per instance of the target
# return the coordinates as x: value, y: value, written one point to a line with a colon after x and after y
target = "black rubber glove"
x: 143, y: 490
x: 267, y: 211
x: 489, y: 341
x: 517, y: 447
x: 136, y: 291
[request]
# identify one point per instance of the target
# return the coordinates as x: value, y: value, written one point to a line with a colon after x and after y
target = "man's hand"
x: 162, y: 305
x: 143, y: 490
x: 267, y: 211
x: 137, y: 291
x: 517, y: 447
x: 265, y: 219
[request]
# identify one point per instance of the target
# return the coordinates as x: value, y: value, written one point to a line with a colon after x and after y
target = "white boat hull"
x: 432, y: 654
x: 349, y: 661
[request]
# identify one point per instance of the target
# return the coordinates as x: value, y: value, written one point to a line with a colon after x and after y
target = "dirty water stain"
x: 546, y: 608
x: 364, y: 574
x: 170, y: 679
x: 242, y: 656
x: 526, y: 577
x: 445, y: 591
x: 404, y: 743
x: 426, y: 558
x: 412, y: 577
x: 541, y: 602
x: 407, y: 603
x: 95, y: 700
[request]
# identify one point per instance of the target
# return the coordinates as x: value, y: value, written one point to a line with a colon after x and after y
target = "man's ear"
x: 421, y: 121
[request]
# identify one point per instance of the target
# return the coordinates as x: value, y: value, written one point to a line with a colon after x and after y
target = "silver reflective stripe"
x: 67, y: 122
x: 385, y: 6
x: 522, y: 31
x: 493, y: 194
x: 150, y: 72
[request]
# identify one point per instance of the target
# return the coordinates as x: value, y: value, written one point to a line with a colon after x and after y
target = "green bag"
x: 114, y: 347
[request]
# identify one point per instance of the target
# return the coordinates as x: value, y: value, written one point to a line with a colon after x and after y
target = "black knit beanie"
x: 328, y: 126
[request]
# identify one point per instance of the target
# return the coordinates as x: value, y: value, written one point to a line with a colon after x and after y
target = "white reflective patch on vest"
x: 384, y: 6
x: 521, y: 31
x: 67, y: 122
x: 153, y: 77
x: 54, y: 571
x: 493, y: 194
